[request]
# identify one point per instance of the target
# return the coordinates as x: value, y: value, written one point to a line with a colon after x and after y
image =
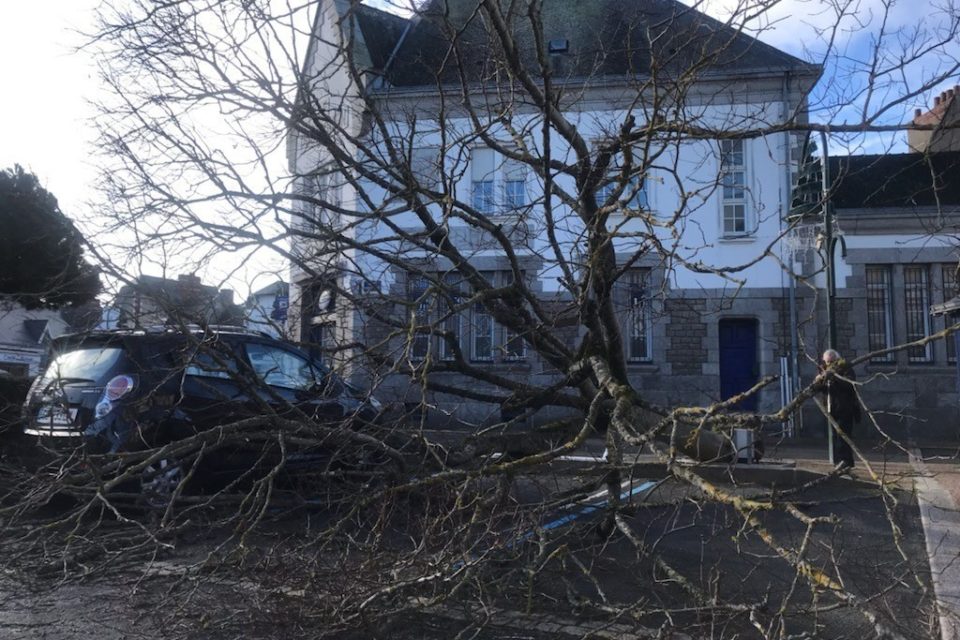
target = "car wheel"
x: 159, y: 482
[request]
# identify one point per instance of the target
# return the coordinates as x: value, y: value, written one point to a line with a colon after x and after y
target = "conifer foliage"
x: 41, y: 252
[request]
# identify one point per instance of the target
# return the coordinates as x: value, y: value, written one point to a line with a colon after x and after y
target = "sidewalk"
x: 933, y: 472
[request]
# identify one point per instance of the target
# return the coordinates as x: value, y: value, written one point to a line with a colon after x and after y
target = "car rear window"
x: 87, y: 363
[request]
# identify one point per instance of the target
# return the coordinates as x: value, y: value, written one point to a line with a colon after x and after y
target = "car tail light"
x: 118, y: 387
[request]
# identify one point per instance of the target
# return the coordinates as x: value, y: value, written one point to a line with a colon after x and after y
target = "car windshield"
x: 87, y: 363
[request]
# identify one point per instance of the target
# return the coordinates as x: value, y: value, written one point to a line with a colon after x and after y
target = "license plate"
x: 49, y: 416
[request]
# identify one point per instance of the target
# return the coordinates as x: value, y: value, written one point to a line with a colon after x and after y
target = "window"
x: 472, y: 328
x: 482, y: 171
x: 85, y: 363
x: 449, y: 317
x: 16, y: 369
x: 948, y: 279
x: 321, y: 341
x: 634, y: 195
x: 417, y: 287
x: 879, y: 311
x: 424, y: 165
x: 733, y: 181
x: 481, y: 328
x: 207, y: 364
x: 493, y: 176
x: 637, y: 315
x: 324, y: 197
x: 514, y: 185
x: 280, y: 368
x: 514, y: 346
x: 916, y: 297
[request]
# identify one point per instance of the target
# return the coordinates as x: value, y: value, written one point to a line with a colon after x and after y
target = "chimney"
x: 929, y: 139
x: 189, y: 278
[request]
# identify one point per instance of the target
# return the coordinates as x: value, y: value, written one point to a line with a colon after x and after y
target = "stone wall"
x: 686, y: 331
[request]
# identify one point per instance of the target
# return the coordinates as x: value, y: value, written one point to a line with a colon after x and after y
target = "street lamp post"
x: 829, y: 246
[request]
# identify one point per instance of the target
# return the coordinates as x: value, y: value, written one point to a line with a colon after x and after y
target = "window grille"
x: 514, y: 347
x: 948, y: 278
x: 482, y: 328
x: 637, y: 315
x: 419, y: 315
x: 879, y: 311
x: 916, y: 297
x: 450, y: 317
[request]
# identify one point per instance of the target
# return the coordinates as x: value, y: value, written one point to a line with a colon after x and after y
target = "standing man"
x: 843, y: 405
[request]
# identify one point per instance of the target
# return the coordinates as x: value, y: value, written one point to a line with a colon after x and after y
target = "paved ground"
x: 701, y: 542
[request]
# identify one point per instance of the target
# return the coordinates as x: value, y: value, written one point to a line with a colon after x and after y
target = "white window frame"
x: 637, y: 188
x: 514, y: 177
x: 498, y: 184
x: 483, y: 170
x: 735, y: 195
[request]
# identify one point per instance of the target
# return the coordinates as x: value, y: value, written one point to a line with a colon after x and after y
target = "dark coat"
x: 842, y: 395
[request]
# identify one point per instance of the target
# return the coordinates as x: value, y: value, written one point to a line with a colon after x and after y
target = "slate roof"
x: 34, y: 329
x: 896, y: 180
x: 381, y: 30
x: 607, y: 38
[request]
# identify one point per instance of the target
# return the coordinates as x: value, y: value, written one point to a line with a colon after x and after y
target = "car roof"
x: 159, y: 333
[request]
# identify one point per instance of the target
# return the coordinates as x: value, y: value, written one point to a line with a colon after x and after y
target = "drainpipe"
x: 792, y: 285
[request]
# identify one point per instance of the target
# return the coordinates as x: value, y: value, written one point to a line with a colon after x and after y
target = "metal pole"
x: 830, y: 243
x: 831, y: 270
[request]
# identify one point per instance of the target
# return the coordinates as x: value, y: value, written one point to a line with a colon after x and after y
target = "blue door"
x: 739, y: 369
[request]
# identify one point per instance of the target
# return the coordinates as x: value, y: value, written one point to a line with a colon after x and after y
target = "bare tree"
x: 530, y: 222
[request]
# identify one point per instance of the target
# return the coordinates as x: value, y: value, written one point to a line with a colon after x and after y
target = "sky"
x: 43, y: 115
x: 45, y: 119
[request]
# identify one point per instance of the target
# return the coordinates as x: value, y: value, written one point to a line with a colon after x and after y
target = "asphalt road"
x: 724, y: 562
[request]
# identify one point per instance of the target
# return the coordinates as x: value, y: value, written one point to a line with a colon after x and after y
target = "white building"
x: 706, y: 303
x: 24, y: 336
